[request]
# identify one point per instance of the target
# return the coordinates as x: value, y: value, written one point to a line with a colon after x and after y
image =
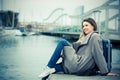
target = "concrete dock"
x: 59, y: 76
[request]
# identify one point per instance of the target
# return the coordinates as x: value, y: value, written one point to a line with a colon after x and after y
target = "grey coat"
x: 84, y: 56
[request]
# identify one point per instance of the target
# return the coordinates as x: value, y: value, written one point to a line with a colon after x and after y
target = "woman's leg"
x: 58, y: 68
x: 44, y: 78
x: 52, y: 66
x: 57, y: 53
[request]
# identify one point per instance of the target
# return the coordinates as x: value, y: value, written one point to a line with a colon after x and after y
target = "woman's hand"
x: 112, y: 74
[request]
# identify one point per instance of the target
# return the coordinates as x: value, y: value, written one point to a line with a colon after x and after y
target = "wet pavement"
x: 115, y: 69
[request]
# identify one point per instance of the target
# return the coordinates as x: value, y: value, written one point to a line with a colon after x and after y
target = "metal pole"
x: 1, y: 10
x: 99, y: 22
x: 13, y: 15
x: 119, y: 18
x: 13, y: 20
x: 106, y: 22
x: 97, y: 19
x: 94, y: 12
x: 1, y: 4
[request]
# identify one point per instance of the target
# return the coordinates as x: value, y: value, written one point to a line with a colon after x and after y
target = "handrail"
x: 53, y: 13
x: 104, y: 6
x: 59, y: 17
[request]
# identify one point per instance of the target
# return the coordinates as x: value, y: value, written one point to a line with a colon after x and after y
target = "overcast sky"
x: 37, y: 10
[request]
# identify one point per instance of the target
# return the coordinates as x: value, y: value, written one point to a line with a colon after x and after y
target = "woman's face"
x: 87, y: 28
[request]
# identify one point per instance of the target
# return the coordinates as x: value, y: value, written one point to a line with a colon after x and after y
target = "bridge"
x: 111, y: 23
x: 107, y: 17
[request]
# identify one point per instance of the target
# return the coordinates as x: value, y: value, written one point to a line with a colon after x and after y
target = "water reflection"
x: 22, y: 58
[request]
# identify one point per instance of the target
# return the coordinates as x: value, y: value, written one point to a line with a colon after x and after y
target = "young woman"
x: 83, y: 57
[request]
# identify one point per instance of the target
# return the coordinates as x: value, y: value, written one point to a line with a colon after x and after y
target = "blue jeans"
x: 56, y: 56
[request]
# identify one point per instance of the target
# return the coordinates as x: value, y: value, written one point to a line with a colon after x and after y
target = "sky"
x: 37, y: 10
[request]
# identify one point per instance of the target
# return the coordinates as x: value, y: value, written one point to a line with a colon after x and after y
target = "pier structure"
x: 107, y: 17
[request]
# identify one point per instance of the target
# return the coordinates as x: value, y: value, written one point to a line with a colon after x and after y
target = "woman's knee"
x: 64, y: 42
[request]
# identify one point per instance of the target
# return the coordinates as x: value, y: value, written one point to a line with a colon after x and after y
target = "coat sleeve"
x: 97, y: 51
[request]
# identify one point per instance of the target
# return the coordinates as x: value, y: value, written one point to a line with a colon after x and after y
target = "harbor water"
x: 23, y: 57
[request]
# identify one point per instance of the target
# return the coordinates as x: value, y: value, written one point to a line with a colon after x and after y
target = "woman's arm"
x: 99, y: 58
x: 97, y: 52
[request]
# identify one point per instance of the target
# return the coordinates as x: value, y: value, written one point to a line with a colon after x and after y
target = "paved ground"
x: 115, y: 69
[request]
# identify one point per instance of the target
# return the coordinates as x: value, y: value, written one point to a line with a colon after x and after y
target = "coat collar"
x: 86, y: 39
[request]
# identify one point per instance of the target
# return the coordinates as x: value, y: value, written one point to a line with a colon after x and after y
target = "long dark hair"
x: 92, y: 22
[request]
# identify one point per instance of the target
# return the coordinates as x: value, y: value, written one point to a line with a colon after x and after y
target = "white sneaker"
x: 47, y: 72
